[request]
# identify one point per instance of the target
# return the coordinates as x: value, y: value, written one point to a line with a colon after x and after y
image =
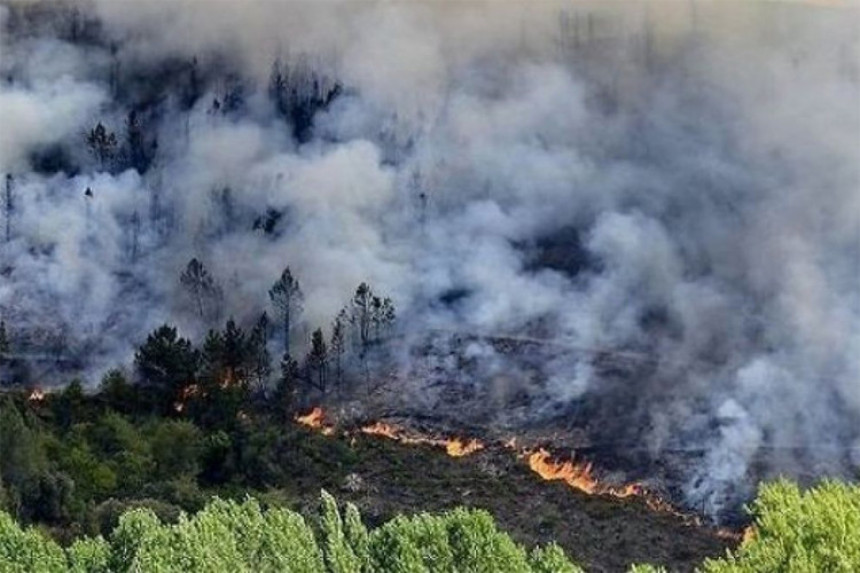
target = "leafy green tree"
x: 116, y: 391
x: 551, y: 559
x: 339, y: 557
x: 89, y: 555
x: 816, y: 530
x: 166, y: 364
x: 357, y: 536
x: 177, y: 447
x: 27, y: 551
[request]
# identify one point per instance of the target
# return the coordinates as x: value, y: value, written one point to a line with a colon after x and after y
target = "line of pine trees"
x: 233, y: 358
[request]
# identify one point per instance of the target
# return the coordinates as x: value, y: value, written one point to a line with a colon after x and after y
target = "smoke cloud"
x: 673, y: 187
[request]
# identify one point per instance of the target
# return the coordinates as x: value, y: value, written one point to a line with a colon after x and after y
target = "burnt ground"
x: 600, y: 533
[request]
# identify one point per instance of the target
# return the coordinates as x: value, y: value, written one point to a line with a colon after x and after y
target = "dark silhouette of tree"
x: 318, y: 360
x: 258, y: 348
x: 286, y: 296
x: 102, y: 144
x: 287, y: 389
x: 166, y: 364
x: 5, y: 345
x: 370, y: 315
x: 362, y: 314
x: 202, y: 288
x: 338, y: 344
x: 8, y: 206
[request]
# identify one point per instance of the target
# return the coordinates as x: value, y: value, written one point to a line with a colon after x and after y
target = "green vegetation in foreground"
x: 795, y: 531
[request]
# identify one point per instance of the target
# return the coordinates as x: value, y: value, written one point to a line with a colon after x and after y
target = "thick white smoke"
x: 675, y: 181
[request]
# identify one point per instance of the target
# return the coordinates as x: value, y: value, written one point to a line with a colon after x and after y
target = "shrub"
x: 816, y: 530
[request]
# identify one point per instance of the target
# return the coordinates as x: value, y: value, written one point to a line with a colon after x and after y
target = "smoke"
x: 666, y: 194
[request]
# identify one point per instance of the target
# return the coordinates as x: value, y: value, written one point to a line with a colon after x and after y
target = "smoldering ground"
x: 671, y: 181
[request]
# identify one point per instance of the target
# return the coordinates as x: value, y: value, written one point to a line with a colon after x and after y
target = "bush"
x: 816, y: 530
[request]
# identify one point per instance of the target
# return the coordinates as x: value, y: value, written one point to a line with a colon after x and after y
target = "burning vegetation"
x: 579, y: 475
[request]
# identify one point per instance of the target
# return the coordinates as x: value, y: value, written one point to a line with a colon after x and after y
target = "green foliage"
x: 646, y: 569
x: 816, y: 530
x: 27, y: 551
x: 551, y: 559
x: 89, y: 555
x: 357, y: 535
x: 177, y: 446
x: 166, y: 363
x: 339, y: 557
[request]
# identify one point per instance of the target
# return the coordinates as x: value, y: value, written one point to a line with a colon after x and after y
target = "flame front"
x: 315, y: 420
x: 576, y: 475
x: 454, y: 447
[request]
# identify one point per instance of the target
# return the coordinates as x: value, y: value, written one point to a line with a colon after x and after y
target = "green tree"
x: 166, y: 364
x: 815, y: 530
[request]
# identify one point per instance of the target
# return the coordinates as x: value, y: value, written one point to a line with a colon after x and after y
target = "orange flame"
x: 454, y: 447
x: 315, y: 420
x: 578, y: 475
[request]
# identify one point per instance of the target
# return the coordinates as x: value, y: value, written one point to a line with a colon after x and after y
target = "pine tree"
x: 286, y: 296
x: 338, y: 344
x: 318, y: 359
x: 202, y: 287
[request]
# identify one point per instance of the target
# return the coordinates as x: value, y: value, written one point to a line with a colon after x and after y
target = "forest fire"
x: 37, y: 395
x: 576, y: 475
x: 454, y: 447
x: 315, y: 420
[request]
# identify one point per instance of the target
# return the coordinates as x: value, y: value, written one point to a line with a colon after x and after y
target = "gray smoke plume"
x: 672, y: 185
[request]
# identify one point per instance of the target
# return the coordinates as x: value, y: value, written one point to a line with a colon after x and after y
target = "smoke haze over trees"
x: 674, y: 183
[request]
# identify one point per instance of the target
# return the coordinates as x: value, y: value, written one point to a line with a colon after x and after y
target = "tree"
x: 382, y: 315
x: 318, y: 359
x: 286, y: 296
x: 287, y: 389
x: 8, y: 206
x: 202, y: 288
x: 102, y: 144
x: 362, y: 313
x: 258, y: 349
x: 338, y: 344
x: 167, y: 364
x: 4, y: 342
x: 371, y: 315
